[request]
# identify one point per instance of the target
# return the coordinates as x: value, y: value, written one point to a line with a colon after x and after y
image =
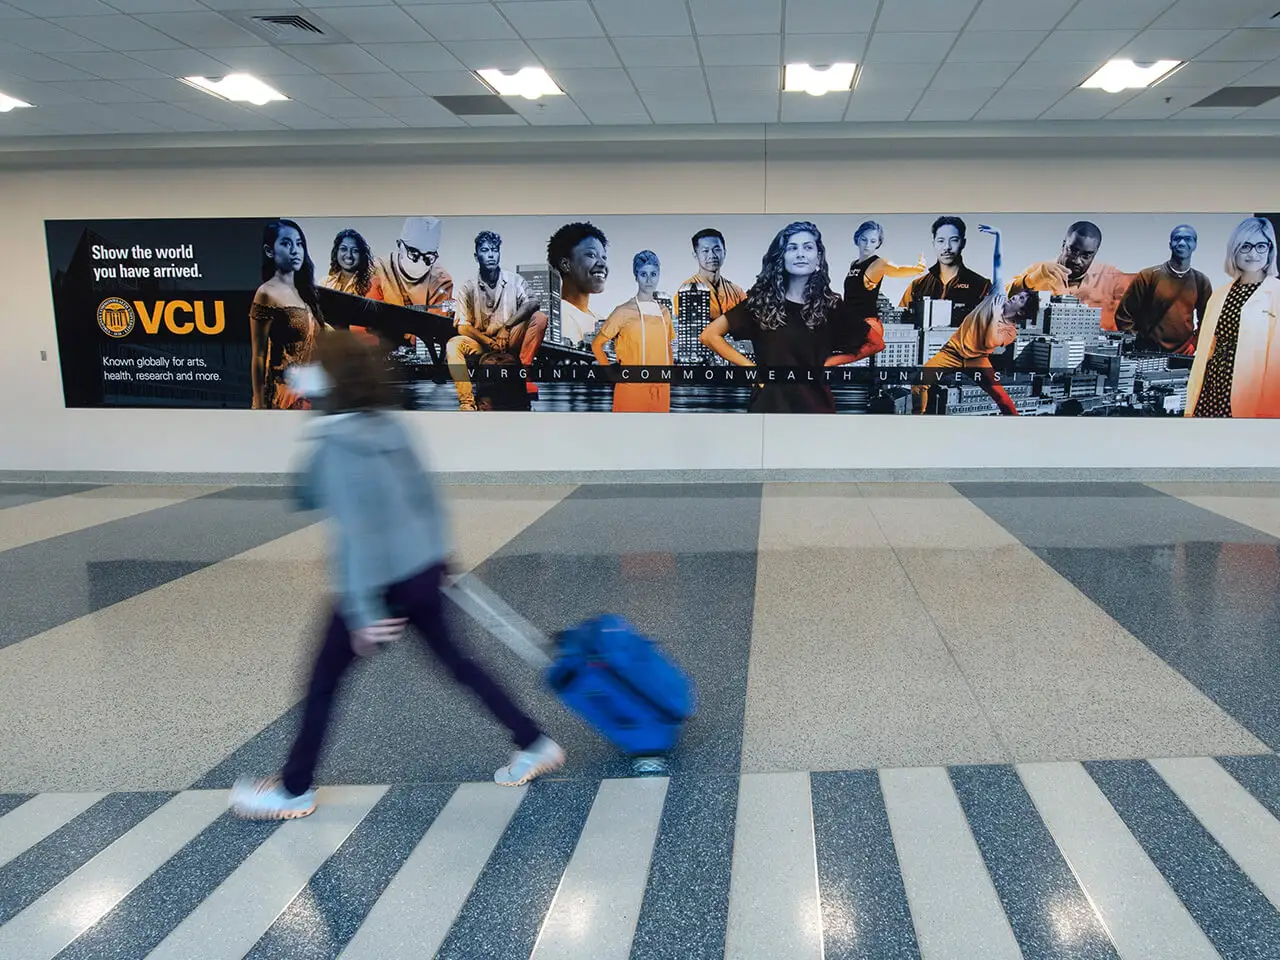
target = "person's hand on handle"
x: 367, y: 639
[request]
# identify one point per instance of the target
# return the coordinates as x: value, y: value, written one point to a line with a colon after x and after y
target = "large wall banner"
x: 961, y: 314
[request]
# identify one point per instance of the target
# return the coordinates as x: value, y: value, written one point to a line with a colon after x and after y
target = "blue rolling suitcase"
x: 622, y: 684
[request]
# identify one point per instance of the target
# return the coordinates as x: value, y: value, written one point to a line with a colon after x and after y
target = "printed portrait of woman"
x: 284, y: 318
x: 793, y: 320
x: 1236, y: 371
x: 352, y: 268
x: 642, y: 332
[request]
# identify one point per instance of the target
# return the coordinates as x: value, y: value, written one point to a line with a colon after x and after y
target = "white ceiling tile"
x: 1018, y: 104
x: 906, y: 15
x: 336, y: 58
x: 1268, y: 111
x: 11, y: 13
x: 836, y: 16
x: 413, y: 57
x: 909, y: 47
x: 345, y: 108
x: 599, y: 80
x: 744, y: 79
x: 690, y: 107
x: 548, y: 111
x: 168, y: 89
x: 1087, y: 105
x: 158, y: 6
x: 882, y: 105
x: 233, y: 116
x: 824, y: 48
x: 995, y: 46
x: 202, y: 30
x: 34, y: 66
x: 951, y: 106
x: 623, y: 108
x: 575, y: 53
x: 299, y: 116
x: 888, y: 77
x: 117, y: 120
x: 1077, y: 46
x: 1214, y: 14
x: 364, y: 25
x: 312, y: 89
x: 385, y: 84
x: 1052, y: 76
x: 255, y: 5
x: 803, y: 108
x: 112, y: 66
x: 545, y: 19
x: 462, y: 21
x: 500, y: 120
x: 1265, y: 76
x: 69, y: 118
x: 185, y: 63
x: 40, y: 36
x: 49, y: 9
x: 669, y: 80
x: 733, y: 16
x: 417, y: 111
x: 371, y: 121
x: 1019, y: 14
x: 448, y: 83
x: 653, y: 18
x: 325, y: 4
x: 1210, y: 113
x: 265, y: 62
x: 1208, y: 73
x: 104, y: 91
x: 1160, y: 102
x: 41, y: 94
x: 1246, y: 45
x: 658, y: 52
x: 1113, y: 15
x: 973, y: 76
x: 756, y: 50
x: 504, y: 55
x: 746, y: 108
x: 118, y: 32
x: 1152, y: 45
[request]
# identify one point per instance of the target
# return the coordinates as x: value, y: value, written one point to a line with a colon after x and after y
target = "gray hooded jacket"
x: 387, y: 520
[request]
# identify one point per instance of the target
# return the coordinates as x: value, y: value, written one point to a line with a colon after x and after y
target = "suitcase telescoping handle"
x: 489, y: 610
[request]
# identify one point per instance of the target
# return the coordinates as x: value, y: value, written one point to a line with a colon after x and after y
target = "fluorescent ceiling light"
x: 8, y: 103
x: 1118, y: 75
x: 530, y: 83
x: 800, y: 77
x: 240, y: 87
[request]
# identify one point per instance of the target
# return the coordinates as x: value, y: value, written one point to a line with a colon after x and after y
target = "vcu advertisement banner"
x: 958, y: 314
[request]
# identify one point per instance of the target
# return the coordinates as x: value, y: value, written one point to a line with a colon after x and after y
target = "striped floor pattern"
x: 1170, y: 859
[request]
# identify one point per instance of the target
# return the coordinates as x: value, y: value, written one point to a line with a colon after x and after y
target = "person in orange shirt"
x: 642, y: 333
x: 1077, y: 273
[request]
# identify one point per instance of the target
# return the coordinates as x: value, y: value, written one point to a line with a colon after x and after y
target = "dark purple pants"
x: 418, y: 598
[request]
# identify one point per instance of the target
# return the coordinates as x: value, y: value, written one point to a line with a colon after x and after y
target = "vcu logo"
x: 116, y: 317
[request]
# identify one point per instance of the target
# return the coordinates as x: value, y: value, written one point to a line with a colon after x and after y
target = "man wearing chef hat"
x: 412, y: 275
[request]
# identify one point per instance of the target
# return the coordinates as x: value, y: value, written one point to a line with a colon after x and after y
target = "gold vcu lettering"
x: 182, y: 317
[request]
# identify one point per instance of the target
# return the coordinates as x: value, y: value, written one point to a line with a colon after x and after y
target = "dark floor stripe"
x: 1260, y: 775
x: 1199, y: 590
x: 683, y: 570
x: 1050, y: 915
x: 17, y: 494
x: 323, y: 918
x: 685, y: 911
x: 39, y: 869
x: 865, y: 915
x: 1235, y: 916
x: 11, y: 801
x: 56, y: 580
x: 152, y: 910
x: 509, y: 902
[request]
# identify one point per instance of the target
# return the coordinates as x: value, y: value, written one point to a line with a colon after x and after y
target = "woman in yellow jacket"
x: 642, y: 334
x: 1236, y: 372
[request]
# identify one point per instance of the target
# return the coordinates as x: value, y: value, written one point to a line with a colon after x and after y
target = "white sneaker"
x: 267, y: 799
x: 543, y: 756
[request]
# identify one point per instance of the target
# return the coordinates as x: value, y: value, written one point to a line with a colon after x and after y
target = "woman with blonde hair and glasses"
x: 1236, y: 372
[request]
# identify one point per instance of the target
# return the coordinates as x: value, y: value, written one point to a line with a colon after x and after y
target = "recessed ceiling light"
x: 800, y: 77
x: 1118, y: 75
x: 530, y: 83
x: 8, y: 103
x: 240, y: 87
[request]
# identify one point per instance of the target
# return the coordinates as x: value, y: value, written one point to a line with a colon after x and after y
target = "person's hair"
x: 1252, y: 227
x: 641, y: 258
x: 768, y: 295
x: 709, y: 233
x: 304, y: 278
x: 489, y: 237
x: 950, y: 221
x: 1085, y: 230
x: 565, y: 240
x: 869, y: 226
x: 1032, y: 307
x: 358, y: 370
x: 364, y: 270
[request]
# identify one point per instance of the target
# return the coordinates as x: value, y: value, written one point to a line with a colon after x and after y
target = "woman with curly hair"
x: 284, y: 317
x: 793, y: 320
x: 352, y: 268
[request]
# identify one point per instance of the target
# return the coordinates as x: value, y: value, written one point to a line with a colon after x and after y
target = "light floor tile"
x: 484, y: 519
x: 40, y: 816
x: 1255, y: 505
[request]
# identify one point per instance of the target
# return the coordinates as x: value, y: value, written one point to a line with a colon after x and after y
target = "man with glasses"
x: 1077, y: 272
x: 1165, y: 305
x: 411, y: 276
